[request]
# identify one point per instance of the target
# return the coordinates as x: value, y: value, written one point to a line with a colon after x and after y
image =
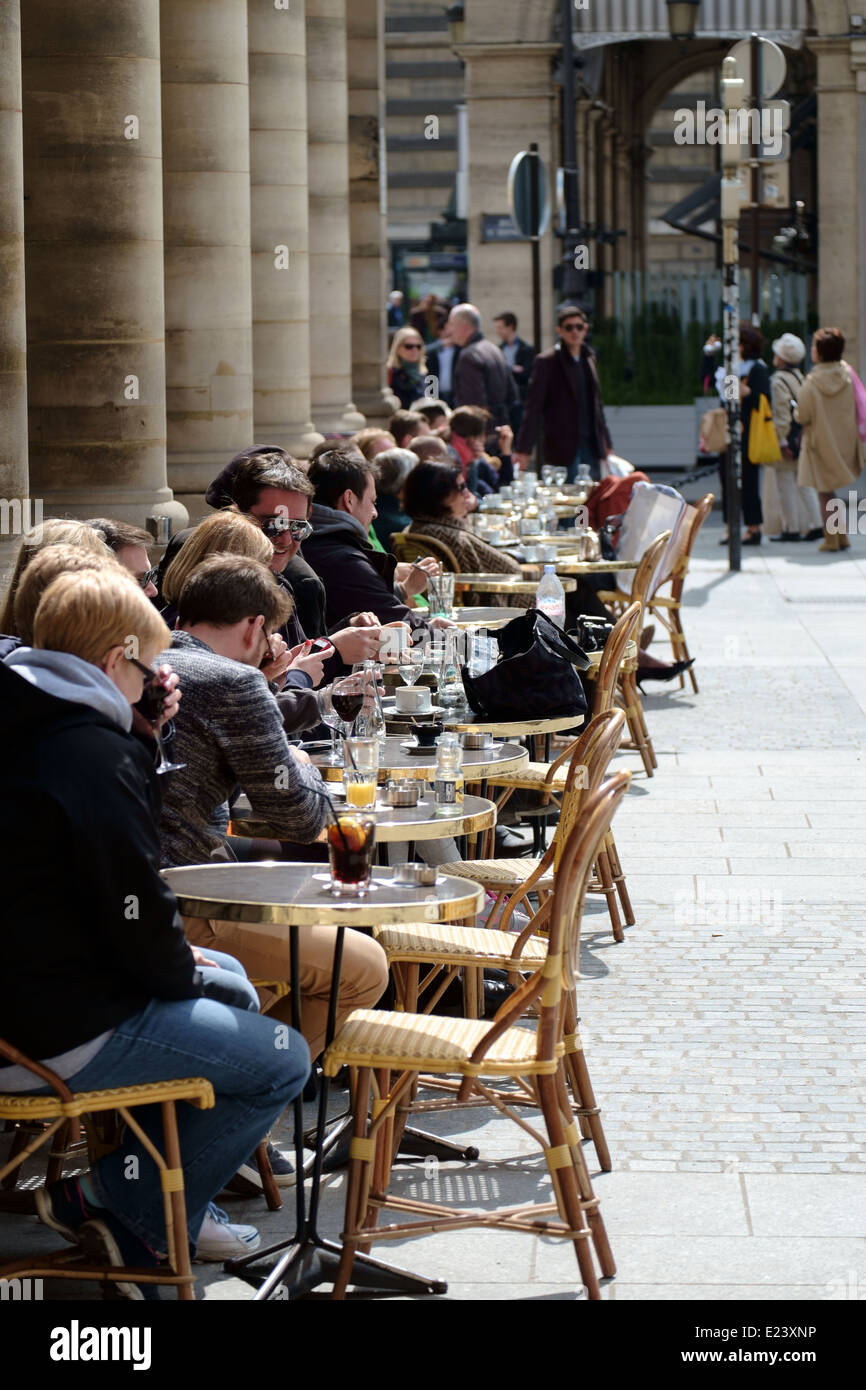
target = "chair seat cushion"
x: 501, y: 875
x: 426, y: 1042
x: 531, y: 777
x: 196, y: 1090
x: 423, y: 941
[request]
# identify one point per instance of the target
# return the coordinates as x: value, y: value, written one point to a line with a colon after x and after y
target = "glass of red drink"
x: 350, y: 847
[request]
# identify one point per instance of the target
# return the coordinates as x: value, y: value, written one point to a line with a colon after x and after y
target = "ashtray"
x: 425, y: 875
x: 402, y: 792
x: 479, y: 740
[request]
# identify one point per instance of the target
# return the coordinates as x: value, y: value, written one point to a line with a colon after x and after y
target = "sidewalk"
x: 726, y: 1035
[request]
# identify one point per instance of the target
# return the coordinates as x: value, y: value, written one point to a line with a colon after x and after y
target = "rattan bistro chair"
x: 668, y: 608
x: 517, y: 878
x: 414, y: 545
x: 375, y: 1045
x: 63, y: 1106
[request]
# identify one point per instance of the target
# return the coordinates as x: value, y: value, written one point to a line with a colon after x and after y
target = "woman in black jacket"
x: 98, y: 982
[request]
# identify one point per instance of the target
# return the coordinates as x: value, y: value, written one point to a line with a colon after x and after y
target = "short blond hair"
x: 87, y: 614
x: 43, y: 569
x: 54, y: 531
x: 228, y: 532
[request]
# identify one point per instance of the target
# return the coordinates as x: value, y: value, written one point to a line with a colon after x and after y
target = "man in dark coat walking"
x: 482, y: 375
x: 564, y: 403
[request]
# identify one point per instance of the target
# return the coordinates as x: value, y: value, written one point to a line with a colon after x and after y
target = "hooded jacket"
x: 356, y: 577
x: 831, y: 454
x: 91, y: 933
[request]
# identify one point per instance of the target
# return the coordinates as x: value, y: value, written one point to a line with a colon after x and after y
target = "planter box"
x: 654, y: 437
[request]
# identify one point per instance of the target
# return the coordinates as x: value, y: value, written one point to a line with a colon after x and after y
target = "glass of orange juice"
x: 361, y: 772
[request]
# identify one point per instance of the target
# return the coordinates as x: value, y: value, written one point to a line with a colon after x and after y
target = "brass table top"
x: 393, y: 823
x: 478, y: 763
x: 516, y: 728
x: 299, y: 895
x: 501, y: 584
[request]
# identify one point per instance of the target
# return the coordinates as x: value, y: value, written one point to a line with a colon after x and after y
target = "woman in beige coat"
x: 831, y: 454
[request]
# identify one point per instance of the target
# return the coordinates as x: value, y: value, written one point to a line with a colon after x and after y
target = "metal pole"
x: 733, y: 458
x: 756, y: 86
x: 573, y: 280
x: 535, y: 212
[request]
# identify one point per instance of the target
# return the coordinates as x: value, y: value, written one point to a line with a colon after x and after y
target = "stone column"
x: 367, y: 209
x: 93, y: 225
x: 280, y: 241
x: 330, y: 268
x: 841, y: 129
x: 13, y: 324
x: 208, y: 296
x: 510, y: 102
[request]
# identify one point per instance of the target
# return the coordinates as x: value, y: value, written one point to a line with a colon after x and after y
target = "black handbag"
x: 535, y: 675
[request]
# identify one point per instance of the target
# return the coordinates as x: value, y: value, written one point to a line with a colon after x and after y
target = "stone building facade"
x: 192, y: 240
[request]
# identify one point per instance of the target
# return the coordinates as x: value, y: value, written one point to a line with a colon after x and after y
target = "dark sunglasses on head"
x: 274, y: 526
x: 149, y: 577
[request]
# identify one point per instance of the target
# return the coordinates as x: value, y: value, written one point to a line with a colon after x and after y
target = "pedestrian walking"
x: 482, y: 376
x: 801, y: 516
x: 831, y: 453
x: 407, y: 366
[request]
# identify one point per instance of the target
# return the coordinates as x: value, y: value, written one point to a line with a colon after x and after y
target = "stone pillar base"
x: 299, y: 440
x: 339, y: 419
x: 378, y: 406
x: 120, y: 504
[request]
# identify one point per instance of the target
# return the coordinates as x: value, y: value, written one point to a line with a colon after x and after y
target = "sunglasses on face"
x: 149, y: 577
x: 412, y: 347
x: 462, y: 486
x: 274, y: 526
x: 574, y: 327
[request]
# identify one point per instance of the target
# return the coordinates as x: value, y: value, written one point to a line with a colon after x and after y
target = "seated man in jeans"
x: 229, y: 733
x: 98, y: 980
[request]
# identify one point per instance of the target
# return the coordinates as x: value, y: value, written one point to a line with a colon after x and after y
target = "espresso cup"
x: 413, y: 699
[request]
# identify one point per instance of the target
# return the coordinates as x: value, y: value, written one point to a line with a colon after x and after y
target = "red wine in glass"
x: 154, y: 695
x: 348, y: 706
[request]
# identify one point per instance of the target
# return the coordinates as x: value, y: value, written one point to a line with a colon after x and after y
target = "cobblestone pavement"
x: 726, y: 1035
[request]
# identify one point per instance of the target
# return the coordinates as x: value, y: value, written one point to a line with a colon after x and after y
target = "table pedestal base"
x: 312, y: 1262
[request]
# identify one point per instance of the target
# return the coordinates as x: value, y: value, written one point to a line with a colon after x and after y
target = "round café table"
x: 499, y: 584
x: 516, y: 728
x: 467, y: 618
x: 394, y: 824
x: 288, y: 897
x: 478, y: 763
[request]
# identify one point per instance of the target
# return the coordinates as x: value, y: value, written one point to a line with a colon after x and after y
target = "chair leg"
x: 269, y: 1186
x: 565, y: 1183
x: 354, y: 1185
x: 637, y: 726
x: 603, y: 1251
x: 177, y: 1200
x: 606, y: 879
x: 619, y: 879
x: 581, y: 1086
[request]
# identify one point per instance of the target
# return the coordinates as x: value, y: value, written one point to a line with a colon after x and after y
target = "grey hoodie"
x: 70, y: 678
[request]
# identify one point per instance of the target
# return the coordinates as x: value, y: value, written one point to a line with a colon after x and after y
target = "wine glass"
x: 334, y: 724
x: 411, y: 664
x: 155, y: 694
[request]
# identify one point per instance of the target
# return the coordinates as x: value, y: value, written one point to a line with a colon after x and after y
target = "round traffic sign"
x: 524, y: 167
x: 773, y: 66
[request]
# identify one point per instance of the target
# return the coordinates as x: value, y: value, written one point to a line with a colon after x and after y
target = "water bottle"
x: 550, y: 596
x: 448, y: 783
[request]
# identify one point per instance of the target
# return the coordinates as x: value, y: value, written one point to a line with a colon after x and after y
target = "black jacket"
x: 483, y: 377
x: 91, y: 933
x: 357, y: 578
x: 522, y: 369
x: 552, y: 409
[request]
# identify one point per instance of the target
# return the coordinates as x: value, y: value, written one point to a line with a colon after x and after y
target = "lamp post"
x: 573, y: 279
x: 682, y: 19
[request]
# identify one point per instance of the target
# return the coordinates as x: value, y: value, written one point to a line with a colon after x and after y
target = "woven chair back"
x: 419, y: 546
x: 644, y: 584
x: 590, y: 760
x: 611, y: 658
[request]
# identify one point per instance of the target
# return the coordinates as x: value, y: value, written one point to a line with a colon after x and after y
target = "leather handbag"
x: 535, y: 676
x: 714, y: 431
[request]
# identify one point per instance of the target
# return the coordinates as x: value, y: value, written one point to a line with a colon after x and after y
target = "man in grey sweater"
x: 229, y: 733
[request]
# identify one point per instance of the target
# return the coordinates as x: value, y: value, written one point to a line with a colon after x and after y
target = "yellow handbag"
x: 763, y: 440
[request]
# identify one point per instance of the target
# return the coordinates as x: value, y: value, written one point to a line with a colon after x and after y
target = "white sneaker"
x: 220, y: 1239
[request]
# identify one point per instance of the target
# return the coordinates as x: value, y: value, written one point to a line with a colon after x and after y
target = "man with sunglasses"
x: 564, y: 403
x: 129, y: 544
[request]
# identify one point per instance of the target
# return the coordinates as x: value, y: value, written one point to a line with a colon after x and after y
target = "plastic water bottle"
x: 550, y: 596
x: 448, y: 778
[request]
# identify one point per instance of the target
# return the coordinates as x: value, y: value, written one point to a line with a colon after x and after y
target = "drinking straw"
x: 326, y: 798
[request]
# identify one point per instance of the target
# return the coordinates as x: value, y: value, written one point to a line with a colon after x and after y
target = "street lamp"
x: 456, y: 16
x: 682, y: 18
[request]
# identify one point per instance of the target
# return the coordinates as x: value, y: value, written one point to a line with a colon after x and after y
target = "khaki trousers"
x: 263, y: 951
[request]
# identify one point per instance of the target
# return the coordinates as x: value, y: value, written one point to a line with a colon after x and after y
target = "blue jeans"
x: 256, y: 1067
x: 587, y: 456
x: 226, y: 981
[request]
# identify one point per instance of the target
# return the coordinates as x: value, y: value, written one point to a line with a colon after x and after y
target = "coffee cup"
x: 392, y: 640
x: 413, y: 699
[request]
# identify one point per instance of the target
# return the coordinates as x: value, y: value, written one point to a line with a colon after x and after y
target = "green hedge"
x: 663, y: 365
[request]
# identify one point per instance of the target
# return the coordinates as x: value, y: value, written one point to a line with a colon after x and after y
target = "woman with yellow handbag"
x: 759, y: 441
